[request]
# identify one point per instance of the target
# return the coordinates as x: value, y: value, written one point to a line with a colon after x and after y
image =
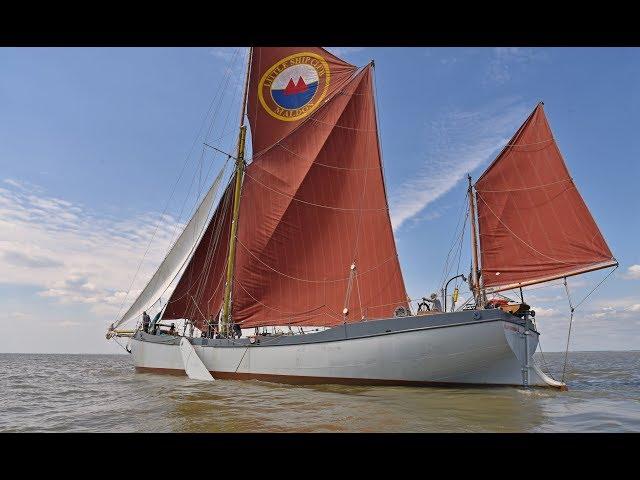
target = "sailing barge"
x: 301, y: 236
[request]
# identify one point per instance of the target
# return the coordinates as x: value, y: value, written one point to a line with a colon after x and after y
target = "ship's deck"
x: 350, y: 330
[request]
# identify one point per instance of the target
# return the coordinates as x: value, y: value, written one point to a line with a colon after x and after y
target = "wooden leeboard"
x: 193, y: 366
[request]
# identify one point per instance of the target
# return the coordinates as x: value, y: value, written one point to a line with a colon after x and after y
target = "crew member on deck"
x: 237, y: 331
x: 146, y: 320
x: 423, y: 306
x: 436, y: 306
x: 172, y: 330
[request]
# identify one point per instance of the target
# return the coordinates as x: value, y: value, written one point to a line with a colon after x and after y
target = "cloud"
x: 458, y: 143
x: 505, y: 59
x: 24, y: 260
x: 632, y: 273
x: 73, y: 255
x: 67, y: 323
x: 619, y: 307
x: 15, y: 315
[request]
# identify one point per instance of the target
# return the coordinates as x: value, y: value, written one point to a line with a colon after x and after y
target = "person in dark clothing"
x: 146, y: 320
x: 172, y: 330
x: 237, y: 330
x: 423, y: 306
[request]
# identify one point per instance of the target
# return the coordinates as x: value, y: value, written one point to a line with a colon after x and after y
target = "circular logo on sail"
x: 294, y: 87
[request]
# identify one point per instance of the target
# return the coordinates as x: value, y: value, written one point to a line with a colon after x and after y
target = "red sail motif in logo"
x: 295, y: 88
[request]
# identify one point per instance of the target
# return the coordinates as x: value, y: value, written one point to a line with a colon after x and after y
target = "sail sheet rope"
x: 572, y: 309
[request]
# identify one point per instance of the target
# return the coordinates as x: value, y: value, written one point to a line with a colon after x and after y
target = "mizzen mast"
x: 475, y: 283
x: 239, y: 169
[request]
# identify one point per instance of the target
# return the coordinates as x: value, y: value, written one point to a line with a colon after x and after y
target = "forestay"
x: 178, y: 256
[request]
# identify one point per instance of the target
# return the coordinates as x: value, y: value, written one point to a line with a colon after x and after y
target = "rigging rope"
x: 572, y: 310
x: 281, y: 145
x: 457, y: 241
x: 341, y: 126
x: 220, y: 89
x: 568, y: 179
x: 215, y: 185
x: 305, y: 279
x: 516, y: 236
x: 292, y: 197
x: 529, y: 144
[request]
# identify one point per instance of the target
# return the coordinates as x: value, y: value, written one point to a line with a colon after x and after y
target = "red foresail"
x: 534, y: 226
x: 312, y: 206
x: 286, y: 85
x: 200, y: 289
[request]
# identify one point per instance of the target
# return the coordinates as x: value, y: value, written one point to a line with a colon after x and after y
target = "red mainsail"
x: 198, y: 294
x: 313, y: 204
x: 533, y: 224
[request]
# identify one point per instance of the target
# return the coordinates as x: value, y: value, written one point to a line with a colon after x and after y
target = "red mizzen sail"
x: 312, y: 205
x: 200, y: 289
x: 533, y: 224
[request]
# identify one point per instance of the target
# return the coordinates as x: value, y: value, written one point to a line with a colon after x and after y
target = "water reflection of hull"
x: 485, y: 347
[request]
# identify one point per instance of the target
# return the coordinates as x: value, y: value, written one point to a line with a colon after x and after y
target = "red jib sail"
x: 314, y: 232
x: 533, y: 224
x: 198, y: 294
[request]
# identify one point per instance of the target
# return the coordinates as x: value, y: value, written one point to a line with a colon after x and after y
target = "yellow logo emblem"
x: 295, y: 86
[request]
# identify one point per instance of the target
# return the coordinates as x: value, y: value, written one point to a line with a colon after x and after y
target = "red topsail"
x: 267, y: 63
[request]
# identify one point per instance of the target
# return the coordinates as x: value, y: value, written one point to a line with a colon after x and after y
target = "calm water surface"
x: 80, y: 393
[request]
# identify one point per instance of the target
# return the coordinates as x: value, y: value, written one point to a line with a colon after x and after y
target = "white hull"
x: 483, y: 352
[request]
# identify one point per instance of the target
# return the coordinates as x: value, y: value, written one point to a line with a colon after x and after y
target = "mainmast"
x: 236, y: 203
x: 475, y: 283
